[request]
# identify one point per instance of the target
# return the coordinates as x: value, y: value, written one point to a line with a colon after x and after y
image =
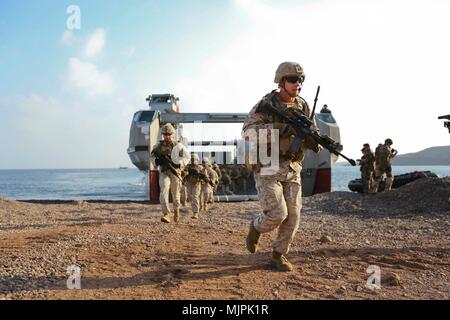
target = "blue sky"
x: 67, y: 97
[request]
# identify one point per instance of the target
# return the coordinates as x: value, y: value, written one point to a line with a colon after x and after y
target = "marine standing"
x: 384, y: 155
x: 280, y: 192
x: 169, y: 172
x: 367, y: 164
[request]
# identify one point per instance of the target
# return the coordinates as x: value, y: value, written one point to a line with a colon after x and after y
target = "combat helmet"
x: 288, y: 69
x: 168, y: 129
x: 388, y: 141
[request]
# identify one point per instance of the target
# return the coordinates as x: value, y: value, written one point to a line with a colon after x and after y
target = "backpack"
x: 382, y: 155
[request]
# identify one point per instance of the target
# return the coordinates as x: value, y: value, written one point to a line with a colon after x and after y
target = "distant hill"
x: 434, y: 156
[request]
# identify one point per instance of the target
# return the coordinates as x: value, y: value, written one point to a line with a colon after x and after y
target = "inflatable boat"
x: 399, y: 180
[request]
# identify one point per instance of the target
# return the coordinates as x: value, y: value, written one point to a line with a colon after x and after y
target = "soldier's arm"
x: 256, y: 121
x: 155, y: 152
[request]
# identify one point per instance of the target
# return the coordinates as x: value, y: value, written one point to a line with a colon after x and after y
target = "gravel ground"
x: 125, y: 252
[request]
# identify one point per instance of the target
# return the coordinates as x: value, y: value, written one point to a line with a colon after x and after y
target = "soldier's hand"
x: 317, y: 148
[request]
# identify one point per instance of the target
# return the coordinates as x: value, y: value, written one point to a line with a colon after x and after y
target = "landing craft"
x: 145, y: 133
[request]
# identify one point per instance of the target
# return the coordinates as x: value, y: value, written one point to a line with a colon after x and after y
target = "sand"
x: 125, y: 252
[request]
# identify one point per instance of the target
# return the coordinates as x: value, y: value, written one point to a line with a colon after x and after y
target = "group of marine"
x: 375, y: 164
x: 194, y: 182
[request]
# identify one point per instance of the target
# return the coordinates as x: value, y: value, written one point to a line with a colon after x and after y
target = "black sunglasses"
x: 294, y: 79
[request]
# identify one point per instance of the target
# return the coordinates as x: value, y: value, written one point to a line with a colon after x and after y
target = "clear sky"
x: 67, y: 96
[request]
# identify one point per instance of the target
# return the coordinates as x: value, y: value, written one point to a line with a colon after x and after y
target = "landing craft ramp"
x: 145, y: 133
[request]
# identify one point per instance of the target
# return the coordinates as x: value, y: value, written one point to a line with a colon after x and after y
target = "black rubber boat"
x: 399, y: 180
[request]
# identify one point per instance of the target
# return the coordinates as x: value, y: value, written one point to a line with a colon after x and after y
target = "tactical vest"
x: 367, y: 162
x: 165, y: 148
x: 285, y: 142
x: 197, y: 169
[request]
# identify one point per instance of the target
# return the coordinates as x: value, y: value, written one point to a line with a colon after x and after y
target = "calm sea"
x: 128, y: 184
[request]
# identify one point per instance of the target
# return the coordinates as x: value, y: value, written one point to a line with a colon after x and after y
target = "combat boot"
x: 176, y: 217
x: 166, y: 217
x: 280, y: 262
x: 253, y: 239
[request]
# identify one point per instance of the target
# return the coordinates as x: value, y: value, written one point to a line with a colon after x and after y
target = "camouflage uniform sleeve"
x: 256, y: 121
x: 216, y: 177
x: 156, y: 148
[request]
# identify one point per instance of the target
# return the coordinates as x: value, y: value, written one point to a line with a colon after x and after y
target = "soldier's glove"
x: 311, y: 144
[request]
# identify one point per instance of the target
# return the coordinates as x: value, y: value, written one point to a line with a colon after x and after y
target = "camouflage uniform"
x: 219, y: 178
x: 244, y: 174
x: 280, y: 193
x: 384, y: 156
x: 367, y: 164
x: 184, y: 196
x: 225, y: 182
x: 207, y: 188
x: 168, y: 181
x: 235, y: 177
x: 193, y: 185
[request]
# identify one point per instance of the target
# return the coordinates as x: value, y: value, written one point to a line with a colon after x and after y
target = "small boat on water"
x: 123, y: 168
x: 399, y: 180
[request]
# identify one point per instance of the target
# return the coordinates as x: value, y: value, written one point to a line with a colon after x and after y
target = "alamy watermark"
x: 74, y: 280
x: 260, y: 147
x: 73, y: 22
x: 374, y: 280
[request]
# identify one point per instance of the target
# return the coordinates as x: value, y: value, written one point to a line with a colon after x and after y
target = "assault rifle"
x: 302, y: 127
x: 202, y: 176
x: 167, y: 163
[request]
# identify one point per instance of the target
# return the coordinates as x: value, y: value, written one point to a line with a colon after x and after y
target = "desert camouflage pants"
x: 378, y: 177
x: 184, y: 196
x: 207, y: 193
x: 367, y: 181
x: 194, y: 190
x: 169, y: 182
x: 280, y: 197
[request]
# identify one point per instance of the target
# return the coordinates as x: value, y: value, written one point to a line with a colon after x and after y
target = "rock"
x: 215, y: 242
x: 340, y: 291
x: 391, y: 279
x: 358, y: 288
x: 326, y: 239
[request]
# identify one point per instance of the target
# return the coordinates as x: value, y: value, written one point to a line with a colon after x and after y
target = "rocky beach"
x: 125, y: 252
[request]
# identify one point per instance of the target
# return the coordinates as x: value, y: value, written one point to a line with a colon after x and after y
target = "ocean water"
x: 73, y: 184
x: 129, y: 184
